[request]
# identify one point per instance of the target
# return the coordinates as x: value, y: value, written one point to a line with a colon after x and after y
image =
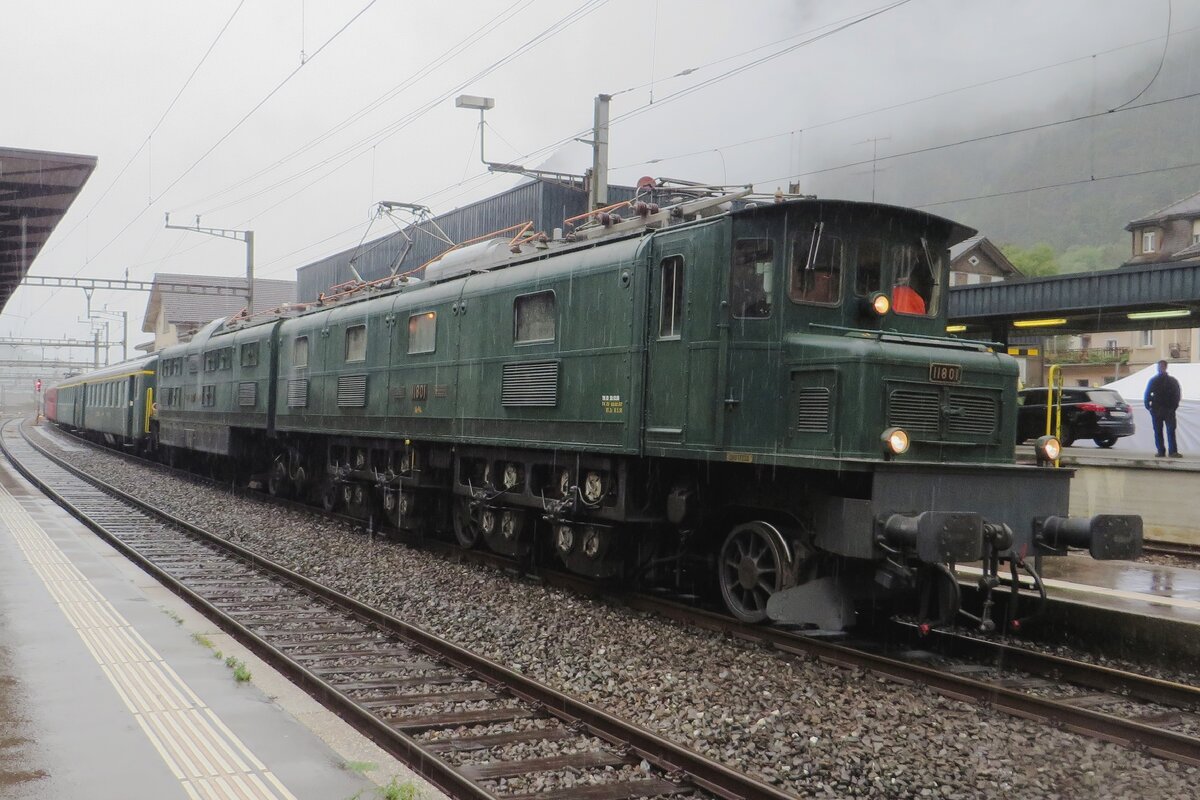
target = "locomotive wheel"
x: 278, y: 482
x: 330, y: 496
x: 466, y: 523
x: 751, y: 568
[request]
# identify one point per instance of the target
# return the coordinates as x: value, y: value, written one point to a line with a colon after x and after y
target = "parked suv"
x: 1097, y: 414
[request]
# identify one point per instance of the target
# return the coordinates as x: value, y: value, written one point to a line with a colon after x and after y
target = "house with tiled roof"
x: 174, y: 316
x: 1170, y: 235
x: 977, y: 260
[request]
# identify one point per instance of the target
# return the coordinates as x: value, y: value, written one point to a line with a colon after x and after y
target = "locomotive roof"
x: 956, y: 231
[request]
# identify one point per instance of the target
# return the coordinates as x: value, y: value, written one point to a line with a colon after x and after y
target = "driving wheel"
x: 751, y: 568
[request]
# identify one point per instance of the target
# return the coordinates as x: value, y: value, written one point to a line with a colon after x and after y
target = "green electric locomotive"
x: 762, y: 399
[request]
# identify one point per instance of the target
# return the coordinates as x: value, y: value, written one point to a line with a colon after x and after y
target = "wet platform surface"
x: 105, y: 692
x: 1165, y: 592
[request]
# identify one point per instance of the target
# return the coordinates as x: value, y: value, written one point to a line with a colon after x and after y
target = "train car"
x: 216, y: 391
x: 50, y: 404
x: 755, y: 400
x: 114, y: 405
x: 765, y: 396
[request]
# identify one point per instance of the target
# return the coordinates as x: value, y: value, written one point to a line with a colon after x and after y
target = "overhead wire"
x: 235, y: 127
x: 146, y: 140
x: 381, y: 135
x: 912, y: 101
x: 451, y: 52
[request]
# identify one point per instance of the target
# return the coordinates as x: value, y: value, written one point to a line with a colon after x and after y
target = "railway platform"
x: 111, y: 687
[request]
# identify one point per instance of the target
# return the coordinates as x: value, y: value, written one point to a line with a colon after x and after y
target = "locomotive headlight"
x: 881, y: 304
x: 1048, y: 448
x: 895, y: 442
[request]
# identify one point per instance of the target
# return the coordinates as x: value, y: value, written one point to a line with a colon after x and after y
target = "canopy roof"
x: 36, y: 189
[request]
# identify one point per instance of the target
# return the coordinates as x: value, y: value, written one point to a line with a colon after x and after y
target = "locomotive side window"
x: 752, y: 278
x: 210, y: 361
x: 356, y: 343
x: 913, y: 279
x: 225, y: 358
x: 534, y: 318
x: 422, y: 332
x: 670, y: 311
x: 250, y: 354
x: 817, y: 261
x: 208, y: 395
x: 300, y: 352
x: 867, y: 276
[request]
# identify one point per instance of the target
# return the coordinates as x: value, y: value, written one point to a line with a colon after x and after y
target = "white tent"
x: 1133, y: 389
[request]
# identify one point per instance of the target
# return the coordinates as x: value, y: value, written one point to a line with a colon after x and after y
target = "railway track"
x: 1137, y: 711
x: 438, y: 707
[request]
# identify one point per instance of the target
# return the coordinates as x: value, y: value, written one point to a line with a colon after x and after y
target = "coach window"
x: 752, y: 278
x: 817, y: 260
x: 670, y: 308
x: 250, y: 354
x: 870, y: 267
x: 356, y: 343
x: 422, y: 332
x: 534, y: 318
x: 300, y: 352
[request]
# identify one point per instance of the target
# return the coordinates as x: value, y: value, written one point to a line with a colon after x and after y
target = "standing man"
x: 1161, y: 400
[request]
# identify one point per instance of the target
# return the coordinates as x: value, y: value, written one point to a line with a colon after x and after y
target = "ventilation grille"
x: 248, y: 394
x: 352, y: 391
x: 912, y: 409
x: 533, y: 383
x: 971, y: 415
x: 298, y: 393
x: 812, y: 410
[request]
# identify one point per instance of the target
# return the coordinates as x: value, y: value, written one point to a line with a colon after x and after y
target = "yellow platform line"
x: 203, y: 754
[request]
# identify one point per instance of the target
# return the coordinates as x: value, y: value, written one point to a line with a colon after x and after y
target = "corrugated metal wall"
x: 546, y: 204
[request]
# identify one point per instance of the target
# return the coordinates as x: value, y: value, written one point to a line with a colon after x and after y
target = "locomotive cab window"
x: 869, y: 269
x: 356, y: 343
x: 914, y: 278
x: 534, y: 318
x: 816, y: 270
x: 250, y: 354
x: 300, y: 352
x: 422, y: 332
x: 670, y: 309
x: 752, y: 278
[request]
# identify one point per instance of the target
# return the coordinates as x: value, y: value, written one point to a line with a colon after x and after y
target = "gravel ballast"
x: 810, y: 728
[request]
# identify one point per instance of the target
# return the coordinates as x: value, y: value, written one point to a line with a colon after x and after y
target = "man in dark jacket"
x: 1161, y: 400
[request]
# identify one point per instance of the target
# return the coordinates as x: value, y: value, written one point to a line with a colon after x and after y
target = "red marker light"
x: 1016, y: 625
x: 924, y: 629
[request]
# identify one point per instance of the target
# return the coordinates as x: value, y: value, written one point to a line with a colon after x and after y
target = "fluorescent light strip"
x: 1174, y: 312
x: 1038, y: 323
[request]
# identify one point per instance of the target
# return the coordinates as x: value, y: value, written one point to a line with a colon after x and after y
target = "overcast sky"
x: 371, y: 116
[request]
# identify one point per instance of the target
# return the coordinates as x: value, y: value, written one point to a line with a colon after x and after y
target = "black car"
x: 1097, y: 414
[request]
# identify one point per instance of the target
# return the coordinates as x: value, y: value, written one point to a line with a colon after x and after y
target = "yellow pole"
x: 1054, y: 394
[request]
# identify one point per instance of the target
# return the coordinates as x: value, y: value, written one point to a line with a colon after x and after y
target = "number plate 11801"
x: 945, y: 373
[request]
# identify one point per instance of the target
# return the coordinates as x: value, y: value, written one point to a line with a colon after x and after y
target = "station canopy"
x: 36, y: 189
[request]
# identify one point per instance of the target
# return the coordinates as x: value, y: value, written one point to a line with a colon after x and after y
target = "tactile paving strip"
x: 207, y: 758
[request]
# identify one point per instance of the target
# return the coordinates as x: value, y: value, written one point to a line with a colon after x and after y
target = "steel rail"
x: 1130, y: 733
x: 1126, y: 732
x: 677, y: 762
